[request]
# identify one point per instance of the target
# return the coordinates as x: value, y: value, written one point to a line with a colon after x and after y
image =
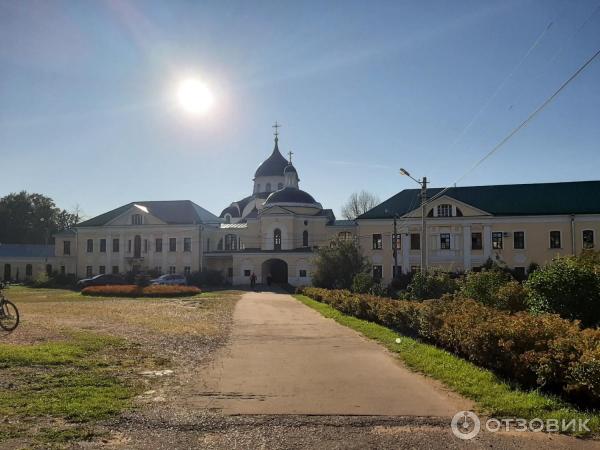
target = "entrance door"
x: 277, y: 268
x: 137, y: 246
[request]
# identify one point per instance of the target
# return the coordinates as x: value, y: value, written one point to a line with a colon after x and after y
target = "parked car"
x: 101, y: 280
x: 171, y: 279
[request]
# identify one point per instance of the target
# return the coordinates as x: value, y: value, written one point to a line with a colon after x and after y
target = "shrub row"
x: 139, y: 291
x: 537, y: 351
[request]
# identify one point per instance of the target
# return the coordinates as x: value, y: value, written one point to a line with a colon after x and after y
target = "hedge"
x: 536, y: 351
x: 138, y: 291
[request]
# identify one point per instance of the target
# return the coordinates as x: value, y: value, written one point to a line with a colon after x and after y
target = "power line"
x: 523, y: 124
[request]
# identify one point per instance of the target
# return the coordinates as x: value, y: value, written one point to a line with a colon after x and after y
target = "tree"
x: 337, y: 265
x: 31, y: 219
x: 359, y: 203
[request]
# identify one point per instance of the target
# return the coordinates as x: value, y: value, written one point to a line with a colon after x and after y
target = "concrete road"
x: 285, y: 358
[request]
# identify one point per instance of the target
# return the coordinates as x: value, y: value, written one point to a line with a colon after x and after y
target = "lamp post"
x: 423, y: 184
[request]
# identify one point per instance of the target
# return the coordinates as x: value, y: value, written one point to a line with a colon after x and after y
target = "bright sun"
x: 194, y: 96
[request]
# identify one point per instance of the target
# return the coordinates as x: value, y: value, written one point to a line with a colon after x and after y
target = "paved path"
x: 285, y: 358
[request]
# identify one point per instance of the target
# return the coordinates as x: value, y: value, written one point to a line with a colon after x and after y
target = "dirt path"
x: 285, y: 358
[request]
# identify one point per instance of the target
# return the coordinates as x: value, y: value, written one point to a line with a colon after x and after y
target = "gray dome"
x: 273, y: 165
x: 290, y: 195
x: 289, y: 169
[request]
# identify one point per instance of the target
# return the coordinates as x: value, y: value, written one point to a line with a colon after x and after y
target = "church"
x: 276, y: 230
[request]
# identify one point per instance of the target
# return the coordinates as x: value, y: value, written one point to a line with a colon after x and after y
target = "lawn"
x: 75, y: 361
x: 492, y: 395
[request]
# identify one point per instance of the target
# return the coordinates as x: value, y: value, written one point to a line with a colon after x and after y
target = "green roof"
x: 576, y: 197
x: 178, y: 212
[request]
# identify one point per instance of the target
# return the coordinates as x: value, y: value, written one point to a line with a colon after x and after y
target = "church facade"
x: 276, y: 230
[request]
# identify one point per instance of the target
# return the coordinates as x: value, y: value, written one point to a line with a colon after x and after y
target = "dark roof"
x: 290, y: 195
x: 273, y: 165
x: 26, y: 250
x: 289, y: 168
x: 175, y: 212
x: 576, y: 197
x: 343, y: 223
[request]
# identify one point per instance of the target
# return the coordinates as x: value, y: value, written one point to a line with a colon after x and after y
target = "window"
x: 137, y: 246
x: 588, y: 239
x: 231, y: 242
x: 172, y: 244
x: 158, y: 245
x: 102, y: 270
x: 136, y: 219
x: 230, y: 272
x: 90, y: 245
x: 555, y: 239
x: 115, y: 246
x: 172, y: 270
x: 129, y: 246
x: 187, y: 270
x: 277, y: 239
x: 103, y: 245
x: 396, y: 241
x: 88, y: 271
x: 397, y: 271
x: 63, y: 270
x: 268, y: 187
x: 377, y: 242
x: 305, y: 238
x: 187, y: 244
x: 48, y: 269
x: 28, y: 270
x: 476, y: 241
x: 302, y: 273
x: 444, y: 210
x: 519, y: 240
x: 497, y: 240
x: 377, y: 272
x: 66, y: 247
x: 258, y: 187
x: 415, y: 241
x: 445, y: 241
x: 279, y: 186
x: 246, y: 272
x: 227, y: 218
x: 115, y: 270
x: 345, y: 236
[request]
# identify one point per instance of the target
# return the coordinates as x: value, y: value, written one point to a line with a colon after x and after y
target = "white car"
x: 170, y: 279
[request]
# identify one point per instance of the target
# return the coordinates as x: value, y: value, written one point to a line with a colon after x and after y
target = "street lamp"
x: 423, y: 184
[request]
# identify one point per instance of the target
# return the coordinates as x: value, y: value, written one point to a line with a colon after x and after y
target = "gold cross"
x: 276, y: 126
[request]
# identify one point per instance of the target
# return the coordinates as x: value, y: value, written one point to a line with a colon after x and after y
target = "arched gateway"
x: 278, y: 269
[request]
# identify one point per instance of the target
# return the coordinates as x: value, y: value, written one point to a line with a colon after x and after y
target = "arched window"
x: 268, y: 187
x: 305, y: 238
x: 444, y: 210
x: 231, y: 242
x: 227, y: 218
x: 277, y: 239
x: 279, y: 186
x: 28, y: 270
x: 137, y: 246
x: 258, y: 187
x: 136, y: 219
x: 345, y: 235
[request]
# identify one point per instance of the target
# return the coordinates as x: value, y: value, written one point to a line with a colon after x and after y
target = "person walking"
x: 253, y: 280
x: 269, y: 280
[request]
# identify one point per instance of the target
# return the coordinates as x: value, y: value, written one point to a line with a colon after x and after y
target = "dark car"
x: 101, y: 280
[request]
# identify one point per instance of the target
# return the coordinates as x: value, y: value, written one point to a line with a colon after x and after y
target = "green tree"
x: 31, y: 219
x: 337, y: 265
x: 432, y: 284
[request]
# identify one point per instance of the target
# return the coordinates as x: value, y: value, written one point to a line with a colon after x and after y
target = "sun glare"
x: 194, y: 96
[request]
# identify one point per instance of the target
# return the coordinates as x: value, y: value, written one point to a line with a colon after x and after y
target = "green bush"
x: 206, y: 278
x: 337, y: 265
x: 569, y: 287
x: 56, y: 280
x: 430, y: 285
x: 536, y: 350
x: 512, y: 297
x: 362, y: 283
x: 484, y: 286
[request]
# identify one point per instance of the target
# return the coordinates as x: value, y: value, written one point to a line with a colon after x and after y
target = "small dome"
x: 290, y: 195
x: 273, y: 165
x: 289, y: 169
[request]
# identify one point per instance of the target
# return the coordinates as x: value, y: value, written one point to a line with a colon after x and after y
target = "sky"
x: 89, y: 117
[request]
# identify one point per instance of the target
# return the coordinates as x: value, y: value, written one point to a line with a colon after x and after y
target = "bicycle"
x: 9, y: 314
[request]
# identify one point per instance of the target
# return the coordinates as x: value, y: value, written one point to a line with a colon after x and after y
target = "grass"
x: 492, y: 395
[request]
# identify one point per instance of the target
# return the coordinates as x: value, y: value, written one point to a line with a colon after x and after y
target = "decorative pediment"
x: 136, y: 215
x: 446, y: 206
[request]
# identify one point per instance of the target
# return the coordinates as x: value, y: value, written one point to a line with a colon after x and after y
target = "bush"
x: 430, y: 285
x: 512, y: 297
x: 337, y: 265
x: 362, y: 283
x: 138, y: 291
x: 537, y: 351
x: 569, y: 287
x: 55, y: 281
x: 484, y: 286
x: 206, y: 278
x: 142, y: 280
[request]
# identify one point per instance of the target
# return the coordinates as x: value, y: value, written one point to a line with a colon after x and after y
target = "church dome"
x: 290, y: 195
x: 289, y: 169
x: 273, y: 165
